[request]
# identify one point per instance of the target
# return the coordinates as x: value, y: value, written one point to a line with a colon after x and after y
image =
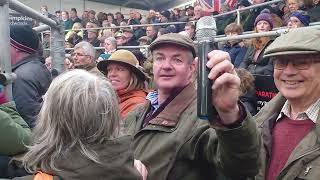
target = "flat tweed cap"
x: 296, y: 41
x: 176, y: 39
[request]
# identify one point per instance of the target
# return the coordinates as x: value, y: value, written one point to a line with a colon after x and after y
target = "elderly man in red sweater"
x: 290, y: 122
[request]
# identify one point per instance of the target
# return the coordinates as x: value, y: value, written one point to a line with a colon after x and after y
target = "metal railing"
x: 57, y: 36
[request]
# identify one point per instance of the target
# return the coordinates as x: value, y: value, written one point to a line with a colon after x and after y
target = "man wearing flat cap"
x: 33, y: 78
x: 129, y: 38
x: 290, y: 122
x: 171, y: 140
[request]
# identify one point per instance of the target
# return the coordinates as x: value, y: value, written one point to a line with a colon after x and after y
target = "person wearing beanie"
x: 252, y: 14
x: 253, y: 60
x: 128, y: 79
x: 243, y: 3
x: 165, y: 18
x: 263, y: 18
x: 33, y: 77
x: 298, y: 19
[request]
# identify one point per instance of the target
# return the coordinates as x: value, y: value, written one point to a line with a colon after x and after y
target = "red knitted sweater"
x: 286, y: 135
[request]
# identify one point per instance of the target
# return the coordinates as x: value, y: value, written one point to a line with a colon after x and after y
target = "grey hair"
x: 88, y: 49
x: 78, y: 111
x: 113, y: 41
x: 300, y: 2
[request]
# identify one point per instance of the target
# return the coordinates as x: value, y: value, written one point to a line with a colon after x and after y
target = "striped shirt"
x: 311, y: 113
x: 153, y: 98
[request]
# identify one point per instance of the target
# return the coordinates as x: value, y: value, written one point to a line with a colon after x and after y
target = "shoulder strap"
x: 42, y: 176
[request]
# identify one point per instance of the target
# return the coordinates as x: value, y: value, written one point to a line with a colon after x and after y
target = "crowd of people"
x: 132, y: 114
x: 293, y: 13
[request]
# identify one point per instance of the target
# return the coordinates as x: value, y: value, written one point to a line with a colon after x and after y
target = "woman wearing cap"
x: 77, y: 133
x: 253, y: 61
x: 127, y: 78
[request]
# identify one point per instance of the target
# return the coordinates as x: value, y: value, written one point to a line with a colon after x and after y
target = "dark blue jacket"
x: 236, y: 53
x: 33, y: 80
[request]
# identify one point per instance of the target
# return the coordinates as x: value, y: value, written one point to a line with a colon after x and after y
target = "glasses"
x: 78, y: 55
x: 300, y: 64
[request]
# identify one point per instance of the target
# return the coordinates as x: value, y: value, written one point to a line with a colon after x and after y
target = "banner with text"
x: 265, y: 89
x: 19, y: 19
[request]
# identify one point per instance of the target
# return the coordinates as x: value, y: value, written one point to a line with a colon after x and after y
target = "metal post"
x: 238, y: 17
x: 41, y: 28
x: 5, y: 60
x: 57, y: 47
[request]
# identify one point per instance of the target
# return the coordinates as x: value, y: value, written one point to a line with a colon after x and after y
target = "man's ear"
x: 195, y: 63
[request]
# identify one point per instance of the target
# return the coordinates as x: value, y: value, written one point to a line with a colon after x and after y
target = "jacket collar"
x: 170, y: 115
x: 25, y: 60
x: 86, y: 67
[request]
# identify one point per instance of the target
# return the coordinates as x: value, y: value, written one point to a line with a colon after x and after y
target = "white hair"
x: 88, y: 49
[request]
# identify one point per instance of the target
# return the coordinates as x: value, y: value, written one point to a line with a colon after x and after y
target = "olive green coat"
x: 14, y: 131
x: 178, y: 145
x: 304, y: 161
x: 116, y: 163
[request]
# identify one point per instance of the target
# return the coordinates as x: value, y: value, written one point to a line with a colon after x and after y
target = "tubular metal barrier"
x: 223, y: 38
x: 248, y: 8
x: 57, y: 31
x: 57, y: 36
x: 238, y: 11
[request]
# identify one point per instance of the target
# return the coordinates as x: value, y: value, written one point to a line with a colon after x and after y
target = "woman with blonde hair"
x: 127, y: 78
x: 75, y: 35
x: 77, y: 132
x: 253, y: 60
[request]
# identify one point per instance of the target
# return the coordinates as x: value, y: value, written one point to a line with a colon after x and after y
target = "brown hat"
x: 176, y: 39
x: 296, y: 41
x: 126, y: 58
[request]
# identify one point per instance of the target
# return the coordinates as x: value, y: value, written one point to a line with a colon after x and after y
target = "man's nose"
x: 166, y: 64
x: 290, y: 69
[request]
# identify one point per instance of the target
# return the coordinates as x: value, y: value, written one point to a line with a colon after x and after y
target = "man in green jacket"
x: 289, y: 123
x: 171, y: 140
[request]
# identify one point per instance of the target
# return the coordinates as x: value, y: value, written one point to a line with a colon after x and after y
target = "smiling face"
x: 119, y: 76
x: 173, y: 67
x: 302, y: 86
